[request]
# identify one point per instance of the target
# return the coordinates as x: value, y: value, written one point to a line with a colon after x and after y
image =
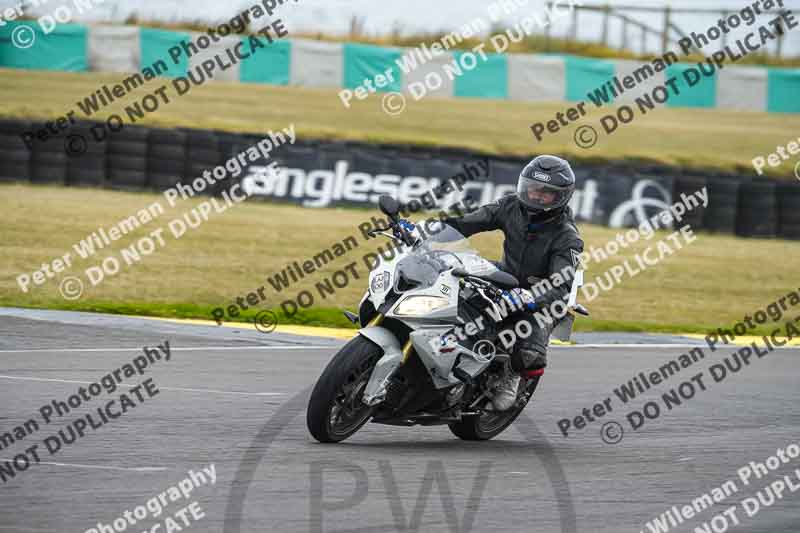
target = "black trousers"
x: 530, y: 336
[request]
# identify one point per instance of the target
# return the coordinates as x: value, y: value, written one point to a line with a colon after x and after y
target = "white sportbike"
x: 427, y: 351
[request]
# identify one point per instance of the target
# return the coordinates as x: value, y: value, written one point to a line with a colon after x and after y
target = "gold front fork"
x: 407, y: 349
x: 376, y: 321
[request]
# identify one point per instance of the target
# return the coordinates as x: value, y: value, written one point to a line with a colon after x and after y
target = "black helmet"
x: 546, y: 184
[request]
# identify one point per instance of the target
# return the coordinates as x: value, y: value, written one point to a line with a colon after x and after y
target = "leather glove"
x: 520, y: 299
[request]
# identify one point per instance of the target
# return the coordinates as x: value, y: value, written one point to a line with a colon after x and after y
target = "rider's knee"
x: 527, y: 356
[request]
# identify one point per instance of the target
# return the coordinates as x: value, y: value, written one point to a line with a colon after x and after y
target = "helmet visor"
x: 542, y: 196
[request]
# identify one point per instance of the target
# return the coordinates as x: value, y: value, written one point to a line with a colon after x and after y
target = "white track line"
x: 664, y: 346
x: 318, y: 347
x: 182, y: 389
x: 611, y: 345
x: 101, y: 467
x: 174, y: 349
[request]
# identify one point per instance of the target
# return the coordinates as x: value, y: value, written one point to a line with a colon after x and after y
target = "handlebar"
x: 398, y: 231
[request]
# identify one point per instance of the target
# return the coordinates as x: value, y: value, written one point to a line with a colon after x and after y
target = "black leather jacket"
x: 532, y: 251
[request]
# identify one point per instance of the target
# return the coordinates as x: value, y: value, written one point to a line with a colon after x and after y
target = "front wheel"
x: 489, y: 424
x: 335, y: 410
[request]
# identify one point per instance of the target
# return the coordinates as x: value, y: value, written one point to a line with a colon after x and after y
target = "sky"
x: 380, y: 16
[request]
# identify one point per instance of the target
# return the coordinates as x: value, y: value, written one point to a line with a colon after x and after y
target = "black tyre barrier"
x: 159, y: 137
x: 369, y: 162
x: 329, y: 156
x: 612, y: 192
x: 127, y: 148
x: 14, y: 172
x: 202, y: 152
x: 90, y: 161
x: 196, y: 169
x: 441, y: 168
x: 14, y: 127
x: 300, y: 157
x: 166, y: 166
x: 48, y: 174
x: 504, y: 171
x: 161, y: 181
x: 53, y: 145
x: 758, y: 210
x: 200, y: 139
x: 96, y: 162
x: 127, y: 158
x: 207, y: 156
x: 12, y: 131
x: 789, y: 210
x: 667, y: 183
x: 166, y: 158
x: 131, y: 140
x: 136, y: 157
x: 723, y: 204
x: 86, y: 176
x: 230, y: 144
x: 125, y: 179
x: 131, y: 133
x: 14, y: 160
x: 689, y: 185
x: 16, y: 154
x: 79, y: 140
x: 127, y: 162
x: 49, y: 167
x: 10, y: 141
x: 88, y: 169
x: 405, y: 167
x: 161, y: 152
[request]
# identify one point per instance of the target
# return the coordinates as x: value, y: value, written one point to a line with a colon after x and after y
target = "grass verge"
x: 334, y: 318
x: 713, y: 282
x: 725, y: 141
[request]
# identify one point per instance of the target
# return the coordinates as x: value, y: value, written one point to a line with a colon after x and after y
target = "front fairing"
x: 426, y: 268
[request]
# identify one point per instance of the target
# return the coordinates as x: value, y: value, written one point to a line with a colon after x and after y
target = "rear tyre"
x: 335, y: 410
x: 488, y: 424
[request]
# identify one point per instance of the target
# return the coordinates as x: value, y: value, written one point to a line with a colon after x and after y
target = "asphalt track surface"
x: 236, y: 399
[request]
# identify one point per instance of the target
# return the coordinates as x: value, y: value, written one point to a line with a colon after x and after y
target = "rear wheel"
x: 335, y: 410
x: 489, y: 424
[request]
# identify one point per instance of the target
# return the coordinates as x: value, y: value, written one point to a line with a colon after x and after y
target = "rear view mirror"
x: 389, y: 206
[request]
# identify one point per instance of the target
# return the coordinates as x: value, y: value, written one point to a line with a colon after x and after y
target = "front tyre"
x: 335, y: 410
x: 489, y: 424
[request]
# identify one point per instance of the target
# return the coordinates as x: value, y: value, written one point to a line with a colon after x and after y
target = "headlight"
x: 380, y: 283
x: 420, y: 305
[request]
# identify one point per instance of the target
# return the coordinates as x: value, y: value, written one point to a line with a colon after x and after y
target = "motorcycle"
x: 427, y: 352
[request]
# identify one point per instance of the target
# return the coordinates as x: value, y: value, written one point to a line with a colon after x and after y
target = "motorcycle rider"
x: 541, y: 242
